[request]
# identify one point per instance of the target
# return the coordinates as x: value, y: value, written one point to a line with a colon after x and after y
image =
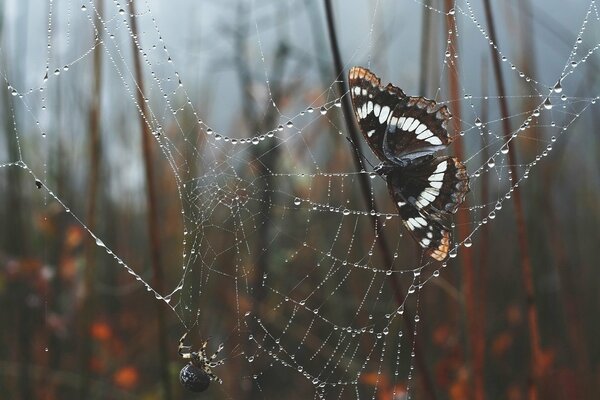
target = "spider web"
x: 279, y: 258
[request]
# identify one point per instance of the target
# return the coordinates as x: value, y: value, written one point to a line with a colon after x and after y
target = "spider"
x: 197, y: 374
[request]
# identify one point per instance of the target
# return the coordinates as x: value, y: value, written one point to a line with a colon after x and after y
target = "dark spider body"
x: 196, y: 375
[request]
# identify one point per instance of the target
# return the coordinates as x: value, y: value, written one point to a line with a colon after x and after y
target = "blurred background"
x: 183, y: 165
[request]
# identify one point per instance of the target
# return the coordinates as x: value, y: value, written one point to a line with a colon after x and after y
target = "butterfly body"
x: 404, y: 132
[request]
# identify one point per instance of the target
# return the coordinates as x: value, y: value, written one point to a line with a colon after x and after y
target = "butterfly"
x: 404, y: 132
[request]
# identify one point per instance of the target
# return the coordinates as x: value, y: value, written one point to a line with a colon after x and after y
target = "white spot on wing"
x: 385, y: 112
x: 407, y: 123
x: 420, y: 128
x: 369, y: 107
x: 424, y: 135
x: 401, y: 203
x: 401, y: 122
x: 436, y: 184
x: 428, y: 196
x: 356, y: 90
x: 421, y: 221
x: 371, y: 132
x: 421, y: 203
x: 441, y: 167
x: 392, y: 124
x: 437, y: 177
x: 425, y: 242
x: 432, y: 191
x: 434, y: 140
x: 364, y: 111
x: 376, y: 110
x: 414, y: 125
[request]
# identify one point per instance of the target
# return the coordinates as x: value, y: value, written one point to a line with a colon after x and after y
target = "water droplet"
x: 491, y: 163
x: 289, y: 124
x: 121, y: 11
x: 323, y: 110
x: 255, y: 140
x: 83, y: 8
x: 297, y: 201
x: 547, y: 104
x: 57, y: 72
x: 558, y: 87
x: 468, y: 242
x: 478, y: 122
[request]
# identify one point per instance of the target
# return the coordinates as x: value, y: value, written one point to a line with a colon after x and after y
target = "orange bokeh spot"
x: 101, y: 331
x: 126, y: 377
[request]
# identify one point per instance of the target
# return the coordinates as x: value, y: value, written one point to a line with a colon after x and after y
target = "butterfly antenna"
x: 361, y: 157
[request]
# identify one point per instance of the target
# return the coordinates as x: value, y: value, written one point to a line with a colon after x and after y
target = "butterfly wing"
x: 396, y: 127
x: 372, y: 106
x: 425, y: 195
x: 404, y: 132
x: 416, y: 128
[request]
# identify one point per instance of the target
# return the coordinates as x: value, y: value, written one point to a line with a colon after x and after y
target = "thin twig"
x: 365, y: 189
x: 95, y: 154
x: 153, y: 229
x: 468, y: 275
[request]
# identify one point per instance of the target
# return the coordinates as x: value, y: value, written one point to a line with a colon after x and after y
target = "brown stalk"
x: 484, y: 242
x: 365, y: 189
x: 526, y: 268
x: 426, y: 43
x: 475, y: 336
x: 95, y: 157
x: 153, y: 228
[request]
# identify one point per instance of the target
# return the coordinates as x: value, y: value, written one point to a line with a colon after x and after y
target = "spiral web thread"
x: 274, y: 219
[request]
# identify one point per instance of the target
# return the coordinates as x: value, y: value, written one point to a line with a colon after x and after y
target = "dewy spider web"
x: 280, y: 260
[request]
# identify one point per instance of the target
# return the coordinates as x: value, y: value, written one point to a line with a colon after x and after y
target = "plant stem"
x: 526, y: 268
x: 153, y: 229
x: 468, y: 271
x: 95, y: 157
x: 365, y: 189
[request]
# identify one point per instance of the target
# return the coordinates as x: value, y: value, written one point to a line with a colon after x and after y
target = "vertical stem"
x: 153, y: 229
x: 425, y: 46
x: 484, y: 242
x: 526, y: 268
x: 95, y: 157
x: 365, y: 189
x: 474, y: 334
